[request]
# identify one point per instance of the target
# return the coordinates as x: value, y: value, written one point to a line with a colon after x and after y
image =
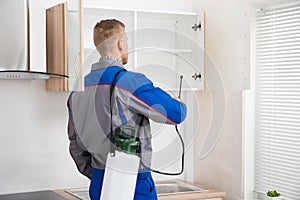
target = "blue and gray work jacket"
x: 134, y: 97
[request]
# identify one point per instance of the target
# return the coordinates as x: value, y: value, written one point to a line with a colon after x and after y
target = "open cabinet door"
x: 56, y: 39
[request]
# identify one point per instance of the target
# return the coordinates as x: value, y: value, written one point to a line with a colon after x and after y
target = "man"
x: 135, y: 101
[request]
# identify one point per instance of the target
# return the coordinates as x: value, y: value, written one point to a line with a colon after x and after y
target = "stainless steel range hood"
x: 14, y: 42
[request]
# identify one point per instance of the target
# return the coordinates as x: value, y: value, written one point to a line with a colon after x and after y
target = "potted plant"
x: 273, y: 195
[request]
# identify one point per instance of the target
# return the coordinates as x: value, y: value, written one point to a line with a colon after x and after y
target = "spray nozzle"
x: 180, y: 86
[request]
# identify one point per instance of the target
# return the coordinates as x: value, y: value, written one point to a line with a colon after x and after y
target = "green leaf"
x: 273, y: 193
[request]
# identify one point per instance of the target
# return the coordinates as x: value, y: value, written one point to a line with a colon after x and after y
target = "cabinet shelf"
x: 162, y: 50
x: 73, y: 11
x: 151, y: 50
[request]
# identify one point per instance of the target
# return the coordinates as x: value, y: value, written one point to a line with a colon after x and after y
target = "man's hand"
x: 178, y: 99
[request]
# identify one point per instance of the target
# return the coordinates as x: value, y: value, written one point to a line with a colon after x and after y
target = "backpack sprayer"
x: 123, y: 162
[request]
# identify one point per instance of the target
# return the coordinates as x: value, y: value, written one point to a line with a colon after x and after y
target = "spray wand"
x: 180, y: 86
x: 182, y: 144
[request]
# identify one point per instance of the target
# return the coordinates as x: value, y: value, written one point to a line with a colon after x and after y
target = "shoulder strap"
x: 112, y: 88
x: 137, y: 137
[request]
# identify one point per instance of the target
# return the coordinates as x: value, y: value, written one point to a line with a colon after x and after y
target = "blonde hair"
x: 104, y: 30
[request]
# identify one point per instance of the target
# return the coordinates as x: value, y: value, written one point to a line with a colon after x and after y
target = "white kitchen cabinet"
x: 167, y: 47
x: 162, y: 45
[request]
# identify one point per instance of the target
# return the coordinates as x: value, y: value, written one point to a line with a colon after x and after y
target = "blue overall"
x: 145, y: 188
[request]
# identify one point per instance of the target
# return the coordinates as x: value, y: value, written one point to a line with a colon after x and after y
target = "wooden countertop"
x: 209, y: 194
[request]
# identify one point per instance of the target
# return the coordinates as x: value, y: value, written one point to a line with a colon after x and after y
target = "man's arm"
x: 79, y: 154
x: 151, y: 101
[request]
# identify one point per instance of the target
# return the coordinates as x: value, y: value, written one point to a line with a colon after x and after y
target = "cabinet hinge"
x: 197, y: 27
x: 197, y: 75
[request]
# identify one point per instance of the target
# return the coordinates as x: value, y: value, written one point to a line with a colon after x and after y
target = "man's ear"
x: 120, y: 44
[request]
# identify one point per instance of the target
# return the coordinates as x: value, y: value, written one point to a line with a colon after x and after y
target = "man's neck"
x: 112, y: 58
x: 106, y: 61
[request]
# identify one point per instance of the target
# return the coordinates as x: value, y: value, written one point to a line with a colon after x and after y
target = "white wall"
x: 227, y: 44
x: 34, y: 145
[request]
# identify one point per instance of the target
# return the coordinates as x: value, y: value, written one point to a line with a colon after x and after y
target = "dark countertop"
x: 40, y: 195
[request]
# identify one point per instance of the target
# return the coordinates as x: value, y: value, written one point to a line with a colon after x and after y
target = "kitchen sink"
x: 80, y: 193
x: 165, y: 188
x: 176, y: 187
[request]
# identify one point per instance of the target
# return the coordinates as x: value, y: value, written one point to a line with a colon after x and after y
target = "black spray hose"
x: 182, y: 144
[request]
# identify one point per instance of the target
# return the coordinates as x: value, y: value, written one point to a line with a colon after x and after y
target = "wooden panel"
x: 56, y: 40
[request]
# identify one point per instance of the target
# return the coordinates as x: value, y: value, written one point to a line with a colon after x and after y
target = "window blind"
x: 277, y: 100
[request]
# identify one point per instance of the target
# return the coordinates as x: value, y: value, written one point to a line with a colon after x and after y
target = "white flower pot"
x: 273, y: 198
